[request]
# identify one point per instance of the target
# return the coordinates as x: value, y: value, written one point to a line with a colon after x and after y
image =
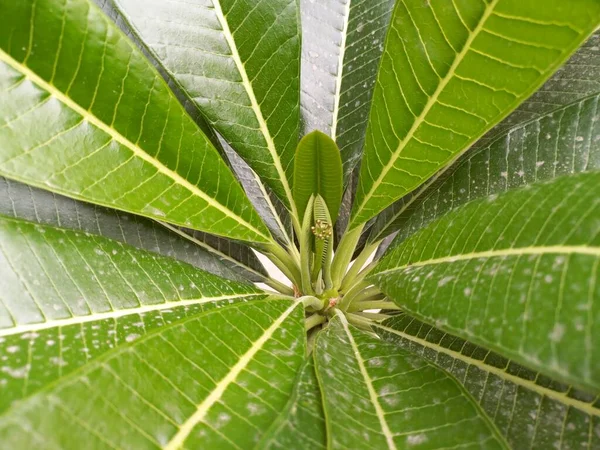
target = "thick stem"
x: 372, y: 316
x: 349, y: 296
x: 359, y: 322
x: 361, y: 275
x: 358, y: 264
x: 279, y: 286
x: 313, y: 321
x: 372, y: 304
x: 305, y: 239
x: 368, y: 293
x: 283, y: 261
x: 343, y: 255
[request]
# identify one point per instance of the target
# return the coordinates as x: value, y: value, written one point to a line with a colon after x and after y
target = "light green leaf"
x: 25, y: 202
x: 378, y: 396
x: 183, y: 384
x: 301, y: 425
x: 318, y: 171
x: 67, y: 297
x: 530, y: 410
x: 577, y: 79
x: 341, y: 48
x: 516, y: 274
x: 562, y: 142
x: 438, y: 59
x: 239, y: 63
x: 86, y: 115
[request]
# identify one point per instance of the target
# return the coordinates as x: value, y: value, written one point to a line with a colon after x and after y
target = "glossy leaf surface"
x: 318, y: 171
x: 562, y: 142
x: 516, y: 274
x: 341, y: 48
x: 68, y: 297
x: 183, y: 384
x: 378, y: 396
x: 301, y: 424
x: 239, y: 62
x: 436, y: 61
x: 530, y: 410
x: 20, y: 201
x: 84, y: 114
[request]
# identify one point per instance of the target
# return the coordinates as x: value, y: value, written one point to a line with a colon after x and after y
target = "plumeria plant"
x: 423, y: 173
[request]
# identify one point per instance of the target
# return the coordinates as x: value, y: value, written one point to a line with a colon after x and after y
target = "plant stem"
x: 361, y: 275
x: 372, y: 316
x: 310, y: 301
x: 305, y: 239
x: 364, y: 294
x: 372, y: 304
x: 313, y: 321
x: 358, y: 264
x: 349, y: 296
x: 279, y: 286
x: 359, y: 322
x: 343, y: 255
x: 282, y: 260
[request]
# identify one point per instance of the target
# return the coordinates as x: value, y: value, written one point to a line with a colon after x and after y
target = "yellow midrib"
x: 561, y: 397
x: 137, y: 151
x: 430, y: 103
x: 186, y: 428
x: 389, y: 437
x: 18, y: 329
x: 551, y: 249
x: 253, y: 101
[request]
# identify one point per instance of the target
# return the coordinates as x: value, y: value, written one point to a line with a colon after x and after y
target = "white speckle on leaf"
x: 416, y: 439
x: 13, y: 349
x: 132, y: 337
x: 557, y: 333
x: 445, y: 281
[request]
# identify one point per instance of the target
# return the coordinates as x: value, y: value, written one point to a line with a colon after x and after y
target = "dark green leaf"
x: 378, y: 396
x: 530, y: 410
x: 450, y: 72
x: 550, y: 134
x: 301, y: 425
x: 318, y: 171
x: 239, y: 63
x: 215, y: 255
x: 183, y: 384
x: 86, y: 115
x: 562, y: 142
x: 516, y: 274
x: 67, y: 297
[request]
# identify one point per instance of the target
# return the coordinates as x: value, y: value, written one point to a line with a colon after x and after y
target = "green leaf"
x: 438, y: 59
x: 183, y: 384
x: 516, y: 274
x: 87, y: 116
x: 318, y: 171
x: 530, y: 410
x: 562, y: 142
x: 577, y: 79
x: 272, y: 211
x: 378, y: 396
x: 239, y: 258
x: 239, y: 63
x: 215, y: 255
x: 68, y: 297
x: 341, y: 48
x: 301, y: 425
